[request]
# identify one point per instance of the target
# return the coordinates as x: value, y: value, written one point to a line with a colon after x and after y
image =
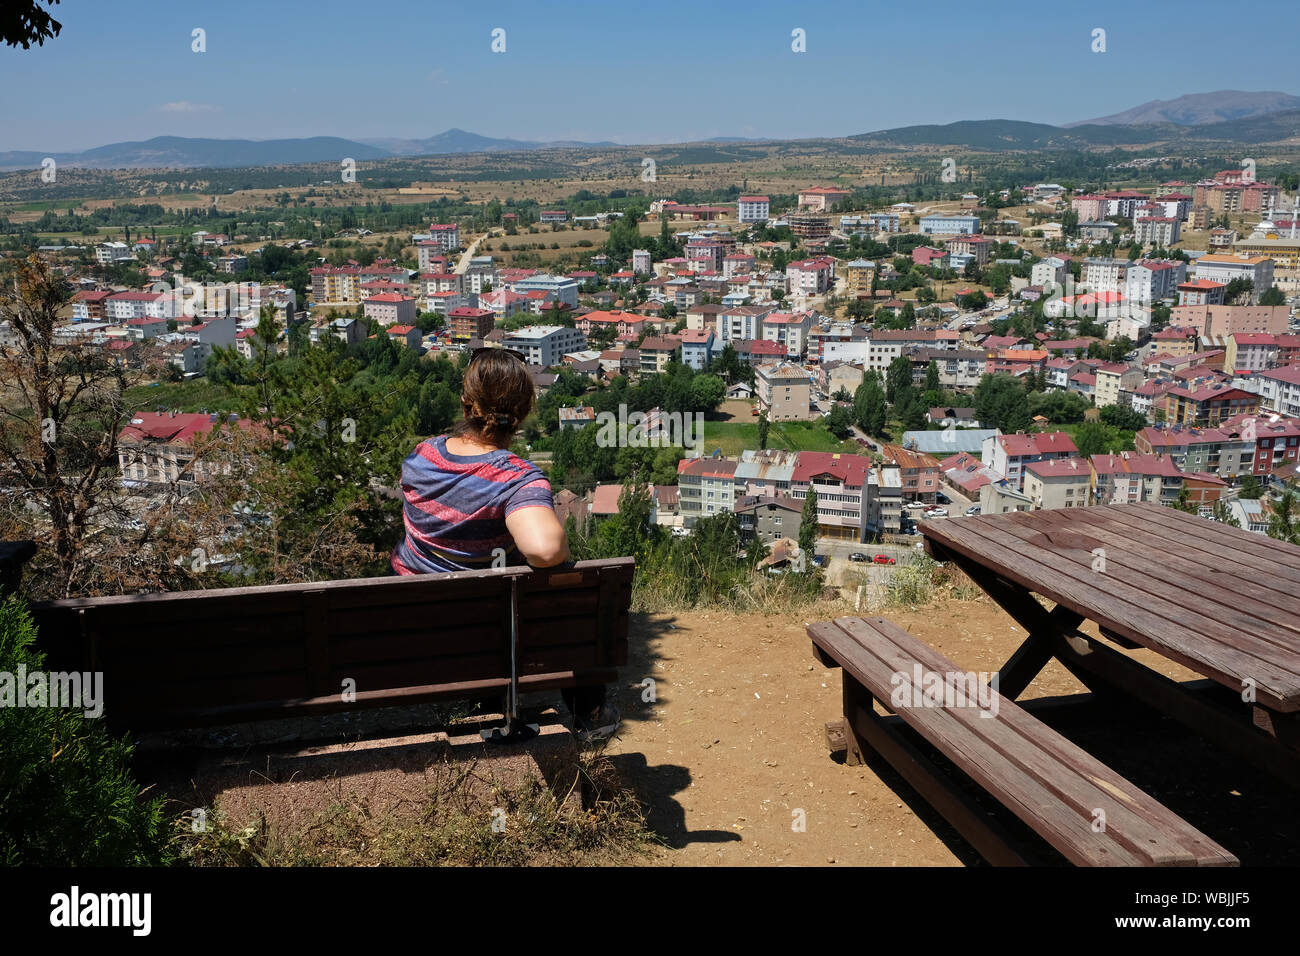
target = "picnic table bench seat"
x: 190, y: 659
x: 1089, y: 813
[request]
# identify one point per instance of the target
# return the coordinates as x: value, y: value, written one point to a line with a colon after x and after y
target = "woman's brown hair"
x: 497, y: 395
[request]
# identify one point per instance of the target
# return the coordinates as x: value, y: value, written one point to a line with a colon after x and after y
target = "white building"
x: 562, y: 289
x: 642, y: 261
x: 1157, y: 230
x: 753, y: 209
x: 545, y: 345
x: 1225, y: 267
x: 1048, y: 272
x: 106, y: 253
x: 939, y: 225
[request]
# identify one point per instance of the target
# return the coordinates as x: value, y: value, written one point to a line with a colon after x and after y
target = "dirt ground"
x: 732, y: 752
x: 723, y: 743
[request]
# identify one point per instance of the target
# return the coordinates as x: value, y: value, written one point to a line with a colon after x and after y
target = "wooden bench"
x: 1058, y: 790
x: 199, y: 658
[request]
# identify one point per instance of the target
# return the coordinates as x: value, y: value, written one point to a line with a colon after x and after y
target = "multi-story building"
x: 657, y: 352
x: 545, y: 345
x: 470, y: 323
x: 1050, y: 271
x: 1227, y: 454
x: 980, y: 247
x: 945, y: 225
x: 1113, y: 378
x: 107, y: 253
x: 446, y: 235
x: 1161, y: 231
x: 809, y: 227
x: 883, y: 508
x: 822, y: 198
x: 919, y: 472
x: 783, y: 391
x: 1058, y: 483
x: 1247, y: 352
x: 1207, y: 405
x: 390, y: 308
x: 753, y: 209
x: 158, y: 449
x: 1009, y: 454
x: 840, y: 482
x: 1278, y: 388
x: 789, y: 329
x: 1129, y: 477
x: 1220, y: 267
x: 563, y: 289
x: 858, y: 275
x: 705, y: 487
x: 697, y: 348
x: 768, y: 518
x: 809, y: 276
x: 1228, y: 319
x: 1201, y: 292
x: 1088, y: 208
x: 642, y: 261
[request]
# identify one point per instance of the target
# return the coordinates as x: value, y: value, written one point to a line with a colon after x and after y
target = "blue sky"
x: 622, y: 70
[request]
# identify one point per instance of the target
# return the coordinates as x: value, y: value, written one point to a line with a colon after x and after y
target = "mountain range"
x: 1226, y: 116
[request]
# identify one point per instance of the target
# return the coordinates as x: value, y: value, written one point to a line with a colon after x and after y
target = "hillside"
x: 1199, y: 109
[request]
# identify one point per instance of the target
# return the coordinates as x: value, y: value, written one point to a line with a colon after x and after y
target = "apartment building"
x: 1278, y: 388
x: 1207, y: 405
x: 705, y: 487
x: 1228, y: 454
x: 1058, y: 483
x: 768, y: 518
x: 809, y: 276
x: 1228, y: 319
x: 789, y: 329
x: 1130, y: 477
x: 753, y: 209
x: 446, y: 235
x: 467, y: 323
x: 158, y: 449
x: 783, y: 391
x: 390, y: 308
x: 1009, y: 454
x: 1201, y: 292
x: 841, y: 485
x: 657, y: 352
x: 1113, y: 378
x: 1050, y: 271
x: 545, y: 345
x: 918, y: 472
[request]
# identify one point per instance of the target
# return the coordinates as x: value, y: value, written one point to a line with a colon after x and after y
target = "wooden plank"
x: 1200, y: 643
x: 1199, y: 582
x: 1059, y: 786
x: 1228, y: 629
x: 988, y: 837
x: 1276, y: 553
x: 1279, y: 586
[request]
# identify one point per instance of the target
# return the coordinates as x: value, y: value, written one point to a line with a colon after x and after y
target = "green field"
x: 734, y: 437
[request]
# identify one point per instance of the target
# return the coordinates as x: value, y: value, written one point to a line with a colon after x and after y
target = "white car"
x: 936, y: 512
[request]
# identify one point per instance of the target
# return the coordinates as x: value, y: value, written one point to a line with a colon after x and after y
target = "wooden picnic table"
x: 1220, y: 601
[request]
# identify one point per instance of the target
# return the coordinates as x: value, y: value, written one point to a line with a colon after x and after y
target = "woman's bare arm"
x: 539, y: 536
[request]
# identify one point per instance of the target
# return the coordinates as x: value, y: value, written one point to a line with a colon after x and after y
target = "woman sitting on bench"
x: 471, y: 504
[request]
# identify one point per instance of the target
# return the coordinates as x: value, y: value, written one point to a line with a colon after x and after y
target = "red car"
x: 883, y: 559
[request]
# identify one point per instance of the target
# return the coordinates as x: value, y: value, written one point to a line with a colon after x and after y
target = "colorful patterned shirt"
x: 456, y: 507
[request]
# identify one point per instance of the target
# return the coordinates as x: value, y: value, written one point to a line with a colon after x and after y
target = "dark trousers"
x: 583, y: 700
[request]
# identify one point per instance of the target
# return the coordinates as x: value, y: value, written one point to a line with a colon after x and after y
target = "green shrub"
x: 67, y: 797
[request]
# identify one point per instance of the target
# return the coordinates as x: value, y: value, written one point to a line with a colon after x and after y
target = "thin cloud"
x: 185, y: 106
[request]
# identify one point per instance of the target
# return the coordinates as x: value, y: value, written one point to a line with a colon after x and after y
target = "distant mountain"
x: 1000, y: 134
x: 1199, y: 109
x: 180, y: 151
x: 463, y: 141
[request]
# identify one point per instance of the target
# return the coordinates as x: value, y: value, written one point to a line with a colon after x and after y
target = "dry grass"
x: 466, y: 819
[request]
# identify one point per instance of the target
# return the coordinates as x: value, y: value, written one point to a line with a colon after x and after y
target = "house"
x: 578, y: 417
x: 953, y: 417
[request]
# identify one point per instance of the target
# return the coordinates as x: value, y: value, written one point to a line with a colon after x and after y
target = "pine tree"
x: 808, y: 524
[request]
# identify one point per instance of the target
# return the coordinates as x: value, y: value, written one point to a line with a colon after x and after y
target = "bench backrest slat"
x: 193, y: 652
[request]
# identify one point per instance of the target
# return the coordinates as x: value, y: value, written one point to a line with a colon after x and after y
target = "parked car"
x: 914, y: 505
x: 819, y: 560
x: 858, y: 556
x: 940, y: 497
x: 972, y: 510
x: 883, y: 559
x: 936, y: 512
